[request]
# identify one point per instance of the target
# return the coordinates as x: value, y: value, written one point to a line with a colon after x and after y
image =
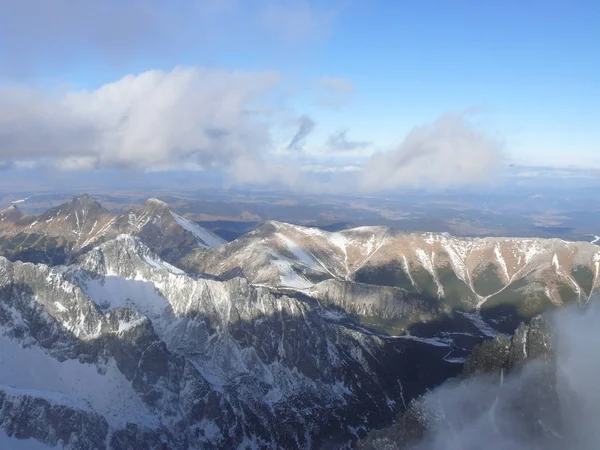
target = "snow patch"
x: 500, y: 259
x: 108, y: 393
x: 288, y: 276
x: 60, y: 306
x: 429, y: 341
x: 300, y: 254
x: 12, y: 443
x: 204, y: 237
x: 56, y: 398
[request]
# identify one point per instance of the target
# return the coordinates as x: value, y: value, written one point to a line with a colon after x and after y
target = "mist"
x: 547, y: 404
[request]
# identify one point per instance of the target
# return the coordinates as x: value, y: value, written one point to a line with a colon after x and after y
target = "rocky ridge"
x: 149, y: 357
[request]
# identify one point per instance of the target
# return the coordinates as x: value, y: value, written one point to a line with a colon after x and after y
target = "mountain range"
x: 61, y: 233
x: 145, y: 330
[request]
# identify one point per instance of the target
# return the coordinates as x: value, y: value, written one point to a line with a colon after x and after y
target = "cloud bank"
x: 449, y: 152
x: 185, y: 118
x: 224, y: 121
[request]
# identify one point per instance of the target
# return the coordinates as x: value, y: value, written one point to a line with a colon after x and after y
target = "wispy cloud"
x: 305, y: 126
x: 337, y: 84
x: 339, y: 142
x: 334, y: 92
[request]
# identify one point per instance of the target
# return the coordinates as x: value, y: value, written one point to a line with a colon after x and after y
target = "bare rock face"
x: 530, y: 342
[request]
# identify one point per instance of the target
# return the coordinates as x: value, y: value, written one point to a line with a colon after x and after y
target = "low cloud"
x: 186, y: 117
x: 339, y: 142
x: 447, y: 153
x: 305, y: 126
x: 551, y: 405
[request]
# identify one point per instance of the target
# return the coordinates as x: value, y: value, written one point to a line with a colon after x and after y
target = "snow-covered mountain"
x: 144, y: 330
x: 59, y: 234
x: 123, y: 350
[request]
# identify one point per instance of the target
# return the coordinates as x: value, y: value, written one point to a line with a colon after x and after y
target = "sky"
x: 336, y: 94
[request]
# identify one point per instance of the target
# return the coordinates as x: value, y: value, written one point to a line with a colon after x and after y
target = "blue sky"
x: 526, y: 72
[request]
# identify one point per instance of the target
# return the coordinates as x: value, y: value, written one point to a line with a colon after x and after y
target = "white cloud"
x: 318, y: 168
x: 449, y: 152
x: 152, y: 120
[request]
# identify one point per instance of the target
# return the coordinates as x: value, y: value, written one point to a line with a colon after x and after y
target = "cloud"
x: 551, y: 405
x: 339, y: 142
x: 449, y: 152
x: 153, y: 120
x: 36, y: 34
x: 305, y: 127
x: 337, y: 84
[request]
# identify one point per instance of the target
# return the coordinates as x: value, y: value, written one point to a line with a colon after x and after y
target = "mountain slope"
x: 529, y: 275
x: 142, y: 353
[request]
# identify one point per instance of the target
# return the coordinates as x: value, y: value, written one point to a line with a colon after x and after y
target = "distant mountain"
x: 61, y: 233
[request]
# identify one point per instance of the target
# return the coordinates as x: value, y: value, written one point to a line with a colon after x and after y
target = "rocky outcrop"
x: 530, y: 341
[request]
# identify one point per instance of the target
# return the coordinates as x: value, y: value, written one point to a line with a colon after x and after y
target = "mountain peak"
x: 84, y: 201
x: 156, y: 204
x: 11, y: 213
